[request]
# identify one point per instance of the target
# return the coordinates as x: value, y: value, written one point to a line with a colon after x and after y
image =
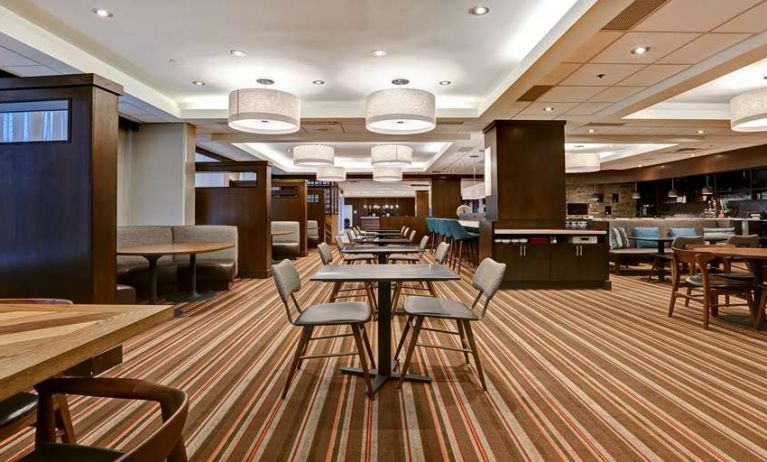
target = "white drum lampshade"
x: 337, y: 174
x: 264, y: 111
x: 391, y: 155
x: 313, y: 155
x: 387, y: 174
x: 749, y: 111
x: 400, y: 111
x: 582, y: 162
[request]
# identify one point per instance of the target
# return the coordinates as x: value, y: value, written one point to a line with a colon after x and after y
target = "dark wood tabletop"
x: 378, y: 273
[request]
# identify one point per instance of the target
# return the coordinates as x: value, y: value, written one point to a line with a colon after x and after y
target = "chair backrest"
x: 751, y: 240
x: 441, y: 253
x: 424, y: 242
x: 165, y: 443
x: 344, y: 240
x: 429, y: 226
x: 292, y: 227
x: 312, y: 228
x: 682, y: 242
x: 288, y: 282
x: 326, y: 255
x: 487, y: 280
x: 411, y: 237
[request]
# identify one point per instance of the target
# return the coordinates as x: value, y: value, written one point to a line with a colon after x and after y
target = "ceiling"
x: 572, y: 56
x: 370, y: 188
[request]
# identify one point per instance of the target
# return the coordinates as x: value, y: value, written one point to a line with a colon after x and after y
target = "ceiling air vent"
x: 419, y: 185
x: 465, y: 149
x: 535, y: 92
x: 605, y: 124
x: 686, y: 150
x: 633, y: 14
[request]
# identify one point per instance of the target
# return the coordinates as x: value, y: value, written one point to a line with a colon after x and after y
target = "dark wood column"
x: 289, y: 204
x: 58, y: 199
x: 445, y: 197
x: 528, y: 170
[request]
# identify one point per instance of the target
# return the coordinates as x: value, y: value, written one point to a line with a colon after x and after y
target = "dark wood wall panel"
x: 58, y: 200
x: 316, y: 210
x: 445, y: 197
x: 247, y: 208
x: 528, y: 161
x: 422, y: 203
x: 292, y: 208
x: 406, y: 206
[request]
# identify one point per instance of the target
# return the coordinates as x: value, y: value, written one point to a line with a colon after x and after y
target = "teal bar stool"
x: 461, y: 236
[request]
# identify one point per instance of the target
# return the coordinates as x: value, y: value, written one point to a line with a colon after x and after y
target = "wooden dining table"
x: 153, y: 252
x: 756, y: 258
x: 41, y: 341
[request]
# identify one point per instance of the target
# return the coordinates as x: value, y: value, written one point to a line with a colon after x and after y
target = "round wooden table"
x: 755, y: 257
x: 153, y: 252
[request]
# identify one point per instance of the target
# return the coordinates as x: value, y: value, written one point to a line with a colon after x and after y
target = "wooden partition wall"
x: 289, y: 204
x: 316, y: 209
x: 58, y: 197
x: 246, y: 207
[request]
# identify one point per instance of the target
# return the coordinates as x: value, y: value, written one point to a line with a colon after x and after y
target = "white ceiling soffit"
x: 156, y: 49
x: 370, y: 188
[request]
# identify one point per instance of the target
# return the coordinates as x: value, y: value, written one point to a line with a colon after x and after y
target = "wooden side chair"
x: 18, y: 411
x: 339, y: 291
x: 487, y: 280
x: 710, y: 285
x: 352, y: 314
x: 165, y: 443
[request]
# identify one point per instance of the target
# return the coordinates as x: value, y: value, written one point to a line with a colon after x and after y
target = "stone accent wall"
x: 624, y: 208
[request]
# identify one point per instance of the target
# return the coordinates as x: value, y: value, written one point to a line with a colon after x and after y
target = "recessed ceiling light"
x: 199, y: 83
x: 548, y: 109
x: 479, y: 10
x: 400, y: 81
x: 701, y: 132
x: 640, y: 50
x: 692, y: 155
x: 445, y: 82
x: 102, y: 13
x: 639, y: 165
x: 237, y: 53
x: 379, y: 53
x: 265, y: 81
x: 591, y: 130
x: 318, y: 82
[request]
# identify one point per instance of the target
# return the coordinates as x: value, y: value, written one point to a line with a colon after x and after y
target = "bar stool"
x: 430, y: 229
x: 459, y: 234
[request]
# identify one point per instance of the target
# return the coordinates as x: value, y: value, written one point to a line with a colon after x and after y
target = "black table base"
x: 379, y: 379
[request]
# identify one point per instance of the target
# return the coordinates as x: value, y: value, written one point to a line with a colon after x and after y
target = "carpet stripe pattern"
x: 572, y: 375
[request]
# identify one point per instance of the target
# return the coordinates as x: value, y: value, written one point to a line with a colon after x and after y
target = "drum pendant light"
x: 391, y: 155
x: 264, y: 111
x: 313, y: 155
x: 387, y: 174
x: 400, y: 111
x: 333, y: 174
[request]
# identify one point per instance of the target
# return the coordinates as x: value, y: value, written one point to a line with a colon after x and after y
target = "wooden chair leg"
x: 395, y: 296
x: 462, y: 334
x: 410, y: 349
x: 366, y: 341
x: 306, y: 347
x: 430, y: 286
x: 363, y: 360
x: 64, y: 420
x: 306, y: 333
x: 672, y: 302
x: 760, y: 310
x: 401, y: 342
x: 706, y: 309
x: 687, y: 300
x: 475, y: 353
x: 334, y: 292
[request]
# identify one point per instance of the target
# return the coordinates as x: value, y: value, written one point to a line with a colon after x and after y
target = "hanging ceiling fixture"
x: 582, y: 162
x: 387, y: 174
x: 264, y: 111
x: 749, y: 111
x: 707, y: 190
x: 313, y: 155
x: 336, y: 174
x: 400, y: 111
x: 391, y: 155
x: 636, y: 195
x: 673, y: 194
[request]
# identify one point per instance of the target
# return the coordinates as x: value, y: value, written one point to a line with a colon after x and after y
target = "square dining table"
x: 384, y: 275
x: 382, y: 252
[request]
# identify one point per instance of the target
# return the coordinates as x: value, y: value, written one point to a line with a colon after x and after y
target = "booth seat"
x: 312, y: 233
x: 286, y: 245
x: 633, y: 252
x: 215, y: 271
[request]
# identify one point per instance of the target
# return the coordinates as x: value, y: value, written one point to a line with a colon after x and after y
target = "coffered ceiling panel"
x: 570, y: 94
x: 659, y: 44
x: 751, y: 21
x: 587, y: 108
x: 594, y: 45
x: 589, y: 74
x: 537, y: 109
x: 703, y: 47
x: 653, y: 74
x: 614, y: 94
x: 559, y: 73
x: 694, y: 15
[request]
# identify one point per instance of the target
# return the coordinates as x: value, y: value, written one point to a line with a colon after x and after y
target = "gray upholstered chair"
x: 339, y: 291
x: 487, y: 280
x: 440, y: 255
x: 286, y: 245
x: 312, y: 232
x: 750, y: 240
x: 343, y: 242
x: 352, y: 314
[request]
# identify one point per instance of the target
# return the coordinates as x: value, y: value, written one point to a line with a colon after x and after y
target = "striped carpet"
x: 572, y: 375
